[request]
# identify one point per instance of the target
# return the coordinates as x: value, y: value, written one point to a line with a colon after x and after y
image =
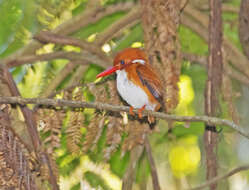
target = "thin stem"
x: 219, y: 178
x: 154, y: 175
x: 108, y: 107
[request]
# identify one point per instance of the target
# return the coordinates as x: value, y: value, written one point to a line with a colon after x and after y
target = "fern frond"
x: 52, y: 122
x: 77, y: 118
x: 73, y: 131
x: 14, y: 158
x: 94, y: 131
x: 32, y: 83
x: 113, y: 136
x: 136, y: 134
x: 44, y: 170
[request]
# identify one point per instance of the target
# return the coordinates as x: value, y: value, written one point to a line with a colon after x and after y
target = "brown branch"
x: 130, y: 173
x: 213, y: 88
x: 219, y: 178
x: 58, y: 79
x: 202, y: 60
x: 102, y: 106
x: 49, y: 37
x: 79, y: 58
x: 244, y: 27
x: 76, y: 78
x: 91, y: 16
x: 31, y: 127
x: 106, y: 35
x: 225, y: 8
x: 120, y: 33
x: 83, y: 59
x: 154, y: 175
x: 230, y: 8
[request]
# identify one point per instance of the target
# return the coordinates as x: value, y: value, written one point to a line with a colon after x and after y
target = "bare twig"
x: 230, y: 8
x: 134, y: 14
x: 130, y: 173
x: 91, y: 16
x: 58, y: 79
x: 183, y: 5
x: 219, y: 178
x: 49, y: 37
x: 79, y: 58
x: 154, y: 175
x: 195, y: 58
x: 225, y: 8
x: 114, y: 108
x: 227, y: 68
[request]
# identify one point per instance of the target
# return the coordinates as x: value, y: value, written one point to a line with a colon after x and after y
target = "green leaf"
x: 143, y: 170
x: 119, y: 163
x: 195, y: 128
x: 10, y: 19
x: 97, y: 154
x: 191, y: 42
x: 67, y: 164
x: 91, y: 73
x: 26, y: 23
x: 99, y: 26
x: 75, y: 187
x: 135, y: 34
x: 96, y: 180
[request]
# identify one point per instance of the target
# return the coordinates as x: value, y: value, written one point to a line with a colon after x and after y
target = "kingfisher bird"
x: 137, y: 82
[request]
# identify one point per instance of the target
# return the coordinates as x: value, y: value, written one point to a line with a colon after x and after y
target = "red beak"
x: 107, y: 71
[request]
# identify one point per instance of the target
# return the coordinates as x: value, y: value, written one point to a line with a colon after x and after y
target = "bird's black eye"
x: 122, y: 62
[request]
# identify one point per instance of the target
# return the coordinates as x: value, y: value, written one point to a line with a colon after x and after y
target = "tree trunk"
x: 213, y: 86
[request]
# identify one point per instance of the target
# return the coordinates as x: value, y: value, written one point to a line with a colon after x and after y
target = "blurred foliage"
x: 178, y: 152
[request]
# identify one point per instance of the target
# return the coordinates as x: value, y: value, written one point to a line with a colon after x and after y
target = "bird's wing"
x: 149, y: 79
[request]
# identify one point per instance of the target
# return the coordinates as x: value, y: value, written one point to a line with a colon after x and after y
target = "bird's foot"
x: 131, y: 111
x: 140, y: 112
x: 151, y: 119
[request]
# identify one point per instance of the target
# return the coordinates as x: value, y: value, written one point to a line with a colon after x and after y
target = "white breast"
x: 132, y: 93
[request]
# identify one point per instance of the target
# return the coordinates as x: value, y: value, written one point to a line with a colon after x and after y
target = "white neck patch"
x: 139, y: 61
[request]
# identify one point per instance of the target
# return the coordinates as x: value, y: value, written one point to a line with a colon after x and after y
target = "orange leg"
x: 151, y: 119
x: 140, y: 111
x: 131, y: 111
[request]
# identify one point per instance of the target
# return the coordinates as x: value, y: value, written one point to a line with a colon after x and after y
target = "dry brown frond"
x: 94, y: 131
x: 50, y: 121
x: 113, y: 136
x: 76, y: 121
x: 73, y: 131
x: 100, y: 92
x: 44, y: 168
x: 14, y: 158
